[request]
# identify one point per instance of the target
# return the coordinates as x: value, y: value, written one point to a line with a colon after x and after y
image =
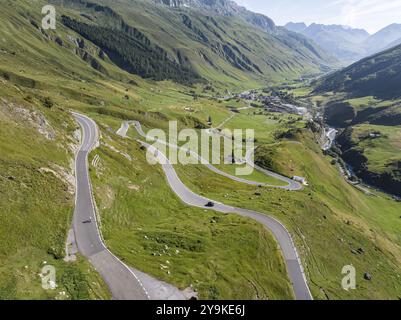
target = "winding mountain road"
x: 122, y: 281
x: 282, y: 235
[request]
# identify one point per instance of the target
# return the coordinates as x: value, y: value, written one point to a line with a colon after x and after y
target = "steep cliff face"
x: 385, y: 38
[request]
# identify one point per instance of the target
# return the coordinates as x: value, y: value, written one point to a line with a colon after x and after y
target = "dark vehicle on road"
x: 88, y: 221
x: 210, y: 204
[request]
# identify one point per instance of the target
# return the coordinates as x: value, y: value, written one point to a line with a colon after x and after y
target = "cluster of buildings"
x: 271, y: 103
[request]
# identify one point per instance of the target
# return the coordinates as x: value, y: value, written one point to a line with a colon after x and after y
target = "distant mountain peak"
x: 296, y: 26
x: 393, y: 25
x: 344, y: 42
x: 385, y: 38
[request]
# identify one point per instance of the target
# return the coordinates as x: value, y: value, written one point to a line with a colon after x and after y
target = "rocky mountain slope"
x: 218, y: 40
x: 226, y: 8
x: 378, y: 75
x: 44, y: 74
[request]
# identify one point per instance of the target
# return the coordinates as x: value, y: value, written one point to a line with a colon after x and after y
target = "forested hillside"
x: 187, y: 44
x: 133, y: 52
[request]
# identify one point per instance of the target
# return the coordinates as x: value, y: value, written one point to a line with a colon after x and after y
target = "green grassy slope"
x: 37, y: 202
x: 374, y: 153
x: 377, y: 76
x: 382, y: 145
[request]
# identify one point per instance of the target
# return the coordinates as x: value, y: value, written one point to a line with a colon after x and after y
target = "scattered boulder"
x: 133, y: 83
x: 133, y: 187
x: 367, y: 276
x: 81, y: 43
x: 58, y: 41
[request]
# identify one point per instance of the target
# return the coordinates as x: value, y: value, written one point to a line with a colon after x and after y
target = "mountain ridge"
x: 226, y: 8
x: 347, y: 43
x: 383, y: 39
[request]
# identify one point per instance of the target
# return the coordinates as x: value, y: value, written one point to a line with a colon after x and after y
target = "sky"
x: 371, y: 15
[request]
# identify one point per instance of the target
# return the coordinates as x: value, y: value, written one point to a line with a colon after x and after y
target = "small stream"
x: 331, y: 135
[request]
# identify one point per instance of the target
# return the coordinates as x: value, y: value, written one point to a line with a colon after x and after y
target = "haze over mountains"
x: 346, y: 43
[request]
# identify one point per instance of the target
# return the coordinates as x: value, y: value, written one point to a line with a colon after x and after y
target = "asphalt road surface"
x: 122, y: 281
x: 283, y: 237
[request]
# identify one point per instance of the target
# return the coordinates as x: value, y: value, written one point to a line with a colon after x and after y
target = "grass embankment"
x: 37, y: 201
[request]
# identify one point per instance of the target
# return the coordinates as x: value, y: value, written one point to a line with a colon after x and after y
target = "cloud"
x: 371, y: 13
